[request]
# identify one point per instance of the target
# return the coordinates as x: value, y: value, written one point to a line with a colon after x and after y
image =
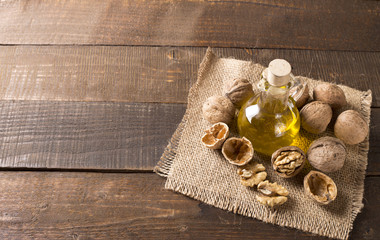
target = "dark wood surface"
x: 302, y: 24
x: 54, y: 205
x: 91, y: 91
x: 156, y: 74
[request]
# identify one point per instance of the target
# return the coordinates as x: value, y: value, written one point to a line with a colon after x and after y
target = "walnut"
x: 216, y: 135
x: 252, y: 174
x: 272, y: 194
x: 327, y: 154
x: 288, y: 161
x: 315, y: 117
x: 351, y: 127
x: 238, y: 151
x: 238, y: 90
x: 330, y: 94
x: 218, y: 109
x: 300, y: 94
x: 320, y: 187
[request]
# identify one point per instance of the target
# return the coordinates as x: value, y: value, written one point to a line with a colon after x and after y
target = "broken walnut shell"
x: 300, y: 94
x: 331, y: 94
x: 315, y: 117
x: 351, y: 127
x: 252, y: 174
x: 216, y: 135
x: 272, y: 194
x: 288, y: 161
x: 320, y: 187
x: 218, y: 109
x: 238, y: 90
x: 327, y: 154
x: 238, y: 151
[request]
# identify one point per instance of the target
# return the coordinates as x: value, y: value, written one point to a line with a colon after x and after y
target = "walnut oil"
x: 270, y: 119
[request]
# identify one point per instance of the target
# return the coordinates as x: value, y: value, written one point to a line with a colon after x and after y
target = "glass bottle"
x: 270, y: 119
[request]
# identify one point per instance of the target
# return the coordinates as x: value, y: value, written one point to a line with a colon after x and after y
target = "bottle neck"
x: 274, y: 99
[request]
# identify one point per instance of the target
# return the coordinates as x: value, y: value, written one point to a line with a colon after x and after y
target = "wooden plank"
x: 101, y: 136
x: 155, y: 74
x: 342, y: 25
x: 53, y: 205
x: 85, y: 135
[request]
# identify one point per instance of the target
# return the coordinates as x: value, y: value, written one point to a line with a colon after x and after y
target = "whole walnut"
x: 300, y: 94
x: 315, y: 117
x: 350, y: 127
x: 238, y: 90
x: 327, y: 154
x: 330, y: 94
x: 218, y: 109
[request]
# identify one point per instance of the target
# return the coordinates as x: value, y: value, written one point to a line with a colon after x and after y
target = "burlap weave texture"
x: 203, y: 174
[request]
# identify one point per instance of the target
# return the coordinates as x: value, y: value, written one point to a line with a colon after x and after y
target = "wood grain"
x: 155, y: 74
x: 338, y: 25
x: 100, y: 135
x: 53, y: 205
x: 80, y: 135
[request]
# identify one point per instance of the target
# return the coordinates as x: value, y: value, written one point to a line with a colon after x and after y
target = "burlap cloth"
x: 203, y: 174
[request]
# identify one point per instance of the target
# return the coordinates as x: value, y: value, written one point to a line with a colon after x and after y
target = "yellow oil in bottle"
x: 270, y: 119
x: 268, y: 131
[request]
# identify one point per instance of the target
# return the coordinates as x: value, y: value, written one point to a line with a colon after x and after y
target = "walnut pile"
x: 216, y: 135
x: 320, y: 187
x: 288, y: 161
x: 272, y: 194
x: 252, y: 174
x: 238, y: 151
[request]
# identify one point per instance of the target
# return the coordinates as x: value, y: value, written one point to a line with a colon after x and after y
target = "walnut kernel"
x: 238, y: 151
x: 350, y: 127
x: 218, y: 109
x: 327, y: 154
x: 252, y: 174
x: 330, y: 94
x: 288, y: 161
x: 320, y: 187
x: 238, y: 90
x: 315, y: 117
x: 272, y: 194
x: 216, y: 135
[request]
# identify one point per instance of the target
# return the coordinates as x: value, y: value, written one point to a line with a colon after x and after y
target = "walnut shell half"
x: 327, y: 154
x: 272, y: 194
x: 288, y: 161
x: 216, y: 135
x: 320, y: 187
x: 315, y: 117
x: 238, y: 151
x: 252, y: 174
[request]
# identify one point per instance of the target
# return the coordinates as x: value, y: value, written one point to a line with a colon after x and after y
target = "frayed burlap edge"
x: 235, y: 205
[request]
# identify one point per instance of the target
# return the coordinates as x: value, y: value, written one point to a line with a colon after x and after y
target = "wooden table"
x: 91, y: 92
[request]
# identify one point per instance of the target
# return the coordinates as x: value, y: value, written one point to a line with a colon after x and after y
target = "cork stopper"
x: 279, y: 72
